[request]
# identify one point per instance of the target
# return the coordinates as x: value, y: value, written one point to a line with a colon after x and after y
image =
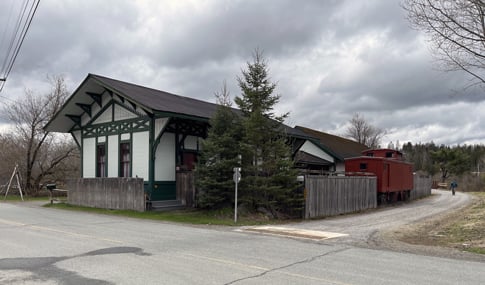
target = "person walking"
x: 453, y: 185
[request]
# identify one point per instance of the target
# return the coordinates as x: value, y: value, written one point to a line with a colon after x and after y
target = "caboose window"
x: 370, y: 154
x: 389, y: 154
x: 363, y: 166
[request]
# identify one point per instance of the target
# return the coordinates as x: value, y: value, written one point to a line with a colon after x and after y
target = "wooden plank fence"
x: 335, y: 195
x: 186, y: 188
x: 422, y: 186
x: 107, y: 193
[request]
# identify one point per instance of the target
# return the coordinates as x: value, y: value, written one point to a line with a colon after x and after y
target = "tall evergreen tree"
x: 219, y: 156
x: 269, y: 180
x: 451, y: 161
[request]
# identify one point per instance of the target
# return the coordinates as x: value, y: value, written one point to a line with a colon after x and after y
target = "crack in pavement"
x: 308, y: 260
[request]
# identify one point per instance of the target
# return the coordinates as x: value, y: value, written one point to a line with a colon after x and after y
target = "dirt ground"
x: 458, y: 234
x: 440, y: 225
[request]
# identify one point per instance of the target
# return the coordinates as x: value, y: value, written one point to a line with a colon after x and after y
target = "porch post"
x: 151, y: 157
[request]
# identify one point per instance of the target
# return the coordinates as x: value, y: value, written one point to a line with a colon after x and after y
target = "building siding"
x: 89, y: 158
x: 312, y: 149
x: 77, y: 136
x: 125, y: 137
x: 165, y: 158
x: 121, y: 113
x: 140, y: 155
x: 105, y: 117
x: 160, y: 125
x: 190, y: 143
x: 113, y: 156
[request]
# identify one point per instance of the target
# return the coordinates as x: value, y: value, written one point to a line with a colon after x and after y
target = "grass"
x: 479, y: 250
x: 468, y: 230
x: 464, y: 229
x: 223, y: 217
x: 13, y: 198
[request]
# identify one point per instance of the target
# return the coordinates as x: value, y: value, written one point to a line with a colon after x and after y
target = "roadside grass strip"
x: 293, y: 232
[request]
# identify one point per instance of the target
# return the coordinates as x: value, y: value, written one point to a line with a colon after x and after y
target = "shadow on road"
x: 43, y: 268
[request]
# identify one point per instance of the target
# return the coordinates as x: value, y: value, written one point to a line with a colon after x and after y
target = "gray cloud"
x: 330, y: 59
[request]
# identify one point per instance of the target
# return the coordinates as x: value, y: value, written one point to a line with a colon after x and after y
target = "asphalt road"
x: 49, y: 246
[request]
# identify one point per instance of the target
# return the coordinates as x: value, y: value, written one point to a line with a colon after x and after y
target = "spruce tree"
x: 268, y: 177
x: 219, y: 156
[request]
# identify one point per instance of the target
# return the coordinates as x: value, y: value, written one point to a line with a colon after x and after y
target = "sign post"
x: 236, y: 177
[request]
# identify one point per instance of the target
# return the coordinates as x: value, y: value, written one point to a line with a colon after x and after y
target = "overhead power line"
x: 15, y: 38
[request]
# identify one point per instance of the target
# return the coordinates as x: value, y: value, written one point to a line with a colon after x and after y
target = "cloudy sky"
x: 330, y: 59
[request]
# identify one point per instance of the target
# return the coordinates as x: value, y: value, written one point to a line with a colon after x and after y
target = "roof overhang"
x: 89, y: 93
x: 80, y: 102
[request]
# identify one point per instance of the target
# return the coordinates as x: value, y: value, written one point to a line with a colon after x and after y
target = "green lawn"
x: 190, y: 216
x: 13, y: 198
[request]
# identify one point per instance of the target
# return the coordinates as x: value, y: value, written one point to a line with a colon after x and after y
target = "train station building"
x: 127, y: 130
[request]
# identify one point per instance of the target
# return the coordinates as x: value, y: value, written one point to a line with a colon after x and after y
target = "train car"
x: 394, y: 176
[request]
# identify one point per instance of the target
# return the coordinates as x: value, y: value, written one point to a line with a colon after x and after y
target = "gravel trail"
x: 379, y: 228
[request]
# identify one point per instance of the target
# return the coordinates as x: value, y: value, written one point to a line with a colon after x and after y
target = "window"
x: 101, y: 160
x: 370, y: 154
x: 363, y: 166
x: 389, y: 154
x: 125, y: 160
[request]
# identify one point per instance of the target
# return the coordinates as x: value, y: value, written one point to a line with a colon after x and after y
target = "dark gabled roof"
x: 152, y: 100
x: 157, y: 100
x: 342, y: 147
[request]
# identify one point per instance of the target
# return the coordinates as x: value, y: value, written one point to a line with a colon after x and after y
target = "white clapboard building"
x: 127, y: 130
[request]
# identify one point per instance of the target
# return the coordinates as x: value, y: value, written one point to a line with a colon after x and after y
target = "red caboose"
x: 394, y: 175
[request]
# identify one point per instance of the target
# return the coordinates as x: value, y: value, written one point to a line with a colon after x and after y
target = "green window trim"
x: 101, y: 160
x: 125, y: 159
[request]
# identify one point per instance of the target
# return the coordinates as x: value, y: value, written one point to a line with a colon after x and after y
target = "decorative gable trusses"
x: 109, y: 114
x: 86, y: 108
x: 106, y: 107
x: 96, y: 98
x: 160, y: 125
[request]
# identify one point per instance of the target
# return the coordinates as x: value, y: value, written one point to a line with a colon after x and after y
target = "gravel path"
x: 362, y: 226
x: 379, y: 228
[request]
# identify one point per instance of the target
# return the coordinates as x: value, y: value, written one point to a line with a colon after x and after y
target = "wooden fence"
x: 186, y: 188
x: 335, y: 195
x: 107, y: 193
x: 422, y: 186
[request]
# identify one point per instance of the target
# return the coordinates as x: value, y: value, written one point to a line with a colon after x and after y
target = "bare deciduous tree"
x: 456, y: 31
x: 223, y: 97
x: 10, y: 151
x: 363, y: 132
x: 39, y: 152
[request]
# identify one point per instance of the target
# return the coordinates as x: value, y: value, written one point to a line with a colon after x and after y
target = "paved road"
x: 49, y: 246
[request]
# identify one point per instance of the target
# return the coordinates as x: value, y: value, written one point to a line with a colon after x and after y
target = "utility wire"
x: 7, y: 25
x: 14, y: 35
x: 18, y: 39
x: 21, y: 35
